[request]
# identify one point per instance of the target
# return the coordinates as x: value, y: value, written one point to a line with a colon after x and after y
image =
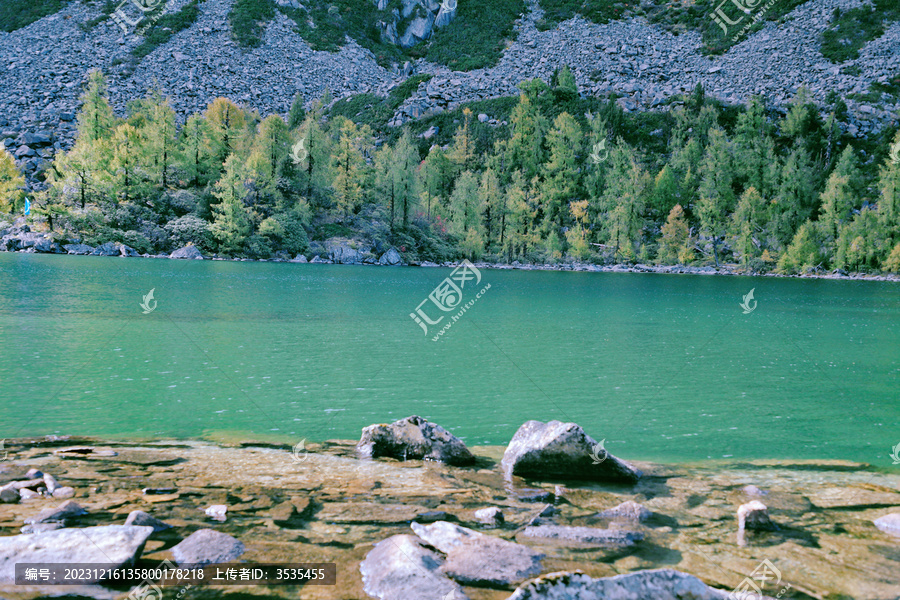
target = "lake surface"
x: 663, y: 367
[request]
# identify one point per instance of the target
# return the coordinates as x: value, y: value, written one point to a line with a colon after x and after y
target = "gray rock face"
x: 584, y: 535
x: 109, y: 544
x: 561, y: 451
x: 341, y: 252
x: 107, y: 249
x: 189, y: 252
x: 64, y: 513
x: 413, y: 438
x: 657, y: 584
x: 402, y: 567
x: 142, y: 519
x: 391, y: 257
x: 477, y: 559
x: 889, y: 523
x: 207, y: 547
x: 627, y: 511
x: 78, y: 248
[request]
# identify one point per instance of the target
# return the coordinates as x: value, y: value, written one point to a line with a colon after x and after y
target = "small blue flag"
x: 27, y: 207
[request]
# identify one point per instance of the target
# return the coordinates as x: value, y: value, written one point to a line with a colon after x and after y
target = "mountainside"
x: 43, y: 65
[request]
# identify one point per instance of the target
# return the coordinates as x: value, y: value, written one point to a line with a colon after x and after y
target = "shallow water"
x: 664, y: 368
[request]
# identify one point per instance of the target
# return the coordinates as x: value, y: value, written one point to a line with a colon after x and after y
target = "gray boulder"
x: 445, y: 17
x: 64, y: 513
x: 627, y: 511
x: 207, y: 547
x: 127, y: 251
x: 78, y: 248
x: 562, y: 451
x: 413, y: 438
x: 109, y: 545
x: 491, y: 517
x: 299, y: 259
x: 190, y: 252
x: 657, y: 584
x: 889, y: 523
x: 391, y: 257
x: 341, y: 253
x: 584, y: 535
x: 106, y: 249
x: 477, y: 559
x: 418, y: 30
x: 142, y: 519
x: 402, y: 567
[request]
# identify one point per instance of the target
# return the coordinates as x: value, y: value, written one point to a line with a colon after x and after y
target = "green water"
x: 665, y: 368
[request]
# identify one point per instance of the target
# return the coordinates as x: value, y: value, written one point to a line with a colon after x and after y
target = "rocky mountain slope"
x: 43, y: 65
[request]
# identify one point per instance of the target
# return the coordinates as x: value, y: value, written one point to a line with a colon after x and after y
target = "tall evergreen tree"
x: 231, y: 224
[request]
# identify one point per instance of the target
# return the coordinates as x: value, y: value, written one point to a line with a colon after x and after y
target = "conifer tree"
x: 193, y: 155
x: 227, y: 129
x: 297, y: 113
x: 95, y: 119
x: 675, y: 242
x: 464, y: 204
x: 11, y: 183
x: 231, y: 224
x: 561, y: 173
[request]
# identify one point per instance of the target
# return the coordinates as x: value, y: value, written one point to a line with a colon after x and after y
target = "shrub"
x: 190, y: 229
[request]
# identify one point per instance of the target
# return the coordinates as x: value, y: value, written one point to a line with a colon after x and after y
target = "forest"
x: 563, y: 178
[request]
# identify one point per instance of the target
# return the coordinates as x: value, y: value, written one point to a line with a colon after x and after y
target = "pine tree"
x: 859, y: 242
x: 889, y: 203
x: 561, y: 173
x: 492, y: 208
x: 437, y: 178
x: 675, y: 244
x: 11, y: 183
x: 126, y: 173
x: 316, y: 176
x: 193, y: 156
x: 349, y: 166
x: 838, y: 200
x: 464, y: 204
x: 804, y: 251
x: 156, y: 124
x: 297, y: 113
x: 227, y: 129
x: 266, y: 162
x: 747, y: 223
x: 624, y: 201
x: 792, y: 205
x: 231, y: 224
x: 526, y: 145
x: 405, y: 163
x: 462, y: 151
x: 665, y: 192
x: 78, y: 173
x: 716, y: 189
x: 95, y: 119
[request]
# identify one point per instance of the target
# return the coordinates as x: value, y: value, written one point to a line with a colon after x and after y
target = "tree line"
x: 746, y: 185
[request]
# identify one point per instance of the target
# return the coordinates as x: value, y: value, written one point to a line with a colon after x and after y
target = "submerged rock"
x: 402, y: 567
x: 413, y: 438
x: 627, y: 511
x: 477, y: 559
x: 889, y: 523
x: 64, y: 513
x: 491, y: 517
x: 207, y: 547
x: 657, y: 584
x: 562, y: 450
x: 116, y: 545
x: 584, y: 535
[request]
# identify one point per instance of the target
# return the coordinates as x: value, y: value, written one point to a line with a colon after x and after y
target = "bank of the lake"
x: 325, y: 505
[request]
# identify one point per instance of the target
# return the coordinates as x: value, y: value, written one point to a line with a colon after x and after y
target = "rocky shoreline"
x: 19, y: 238
x: 550, y: 516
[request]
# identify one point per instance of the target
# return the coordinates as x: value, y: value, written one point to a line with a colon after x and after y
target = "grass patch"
x: 849, y: 31
x: 248, y: 19
x: 598, y: 11
x: 477, y: 36
x: 15, y: 14
x: 109, y: 6
x: 374, y: 111
x: 324, y: 25
x: 166, y: 26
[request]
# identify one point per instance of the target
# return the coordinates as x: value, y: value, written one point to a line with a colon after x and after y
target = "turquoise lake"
x: 663, y: 367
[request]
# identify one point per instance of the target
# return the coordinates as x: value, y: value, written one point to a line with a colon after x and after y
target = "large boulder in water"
x: 413, y: 438
x: 207, y: 547
x: 117, y: 545
x: 562, y: 451
x: 391, y: 257
x: 656, y: 584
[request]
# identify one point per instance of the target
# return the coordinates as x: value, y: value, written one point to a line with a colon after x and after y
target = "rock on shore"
x: 564, y: 451
x: 413, y: 438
